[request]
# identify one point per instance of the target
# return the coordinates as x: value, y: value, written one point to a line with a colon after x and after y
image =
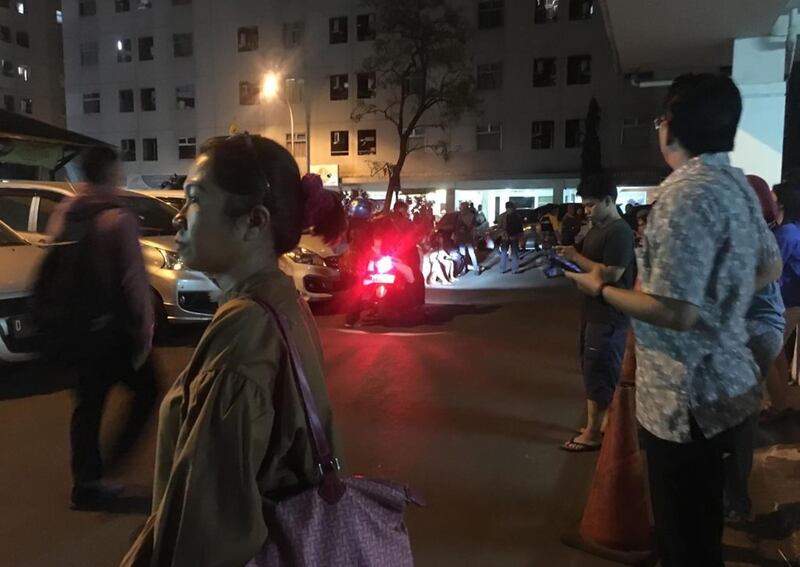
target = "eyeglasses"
x: 658, y: 122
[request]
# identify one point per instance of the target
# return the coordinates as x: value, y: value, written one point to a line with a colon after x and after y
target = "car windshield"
x: 10, y: 238
x: 155, y: 217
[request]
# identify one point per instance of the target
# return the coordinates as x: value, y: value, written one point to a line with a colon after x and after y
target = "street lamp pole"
x: 271, y: 90
x: 291, y: 123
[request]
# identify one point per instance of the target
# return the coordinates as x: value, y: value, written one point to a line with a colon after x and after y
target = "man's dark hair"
x: 788, y: 195
x: 510, y: 206
x: 95, y: 163
x: 703, y: 112
x: 598, y: 186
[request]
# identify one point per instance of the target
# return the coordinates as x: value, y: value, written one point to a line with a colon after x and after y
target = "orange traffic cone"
x: 616, y: 520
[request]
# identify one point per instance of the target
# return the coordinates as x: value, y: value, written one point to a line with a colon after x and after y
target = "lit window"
x: 59, y: 17
x: 24, y: 71
x: 546, y: 11
x: 21, y: 9
x: 124, y: 51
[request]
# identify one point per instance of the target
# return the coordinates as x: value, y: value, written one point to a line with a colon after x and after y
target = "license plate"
x: 21, y: 327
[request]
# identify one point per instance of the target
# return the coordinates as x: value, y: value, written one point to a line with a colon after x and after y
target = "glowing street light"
x: 270, y: 90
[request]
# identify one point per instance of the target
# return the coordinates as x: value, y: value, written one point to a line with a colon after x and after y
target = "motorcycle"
x: 388, y: 294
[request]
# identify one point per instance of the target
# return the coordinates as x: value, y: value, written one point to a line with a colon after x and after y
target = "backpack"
x: 514, y: 224
x: 72, y: 308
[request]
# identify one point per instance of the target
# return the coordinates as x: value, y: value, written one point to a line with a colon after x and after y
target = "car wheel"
x: 161, y: 324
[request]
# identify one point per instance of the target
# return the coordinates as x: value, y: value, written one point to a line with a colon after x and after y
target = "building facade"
x: 157, y: 77
x: 31, y: 55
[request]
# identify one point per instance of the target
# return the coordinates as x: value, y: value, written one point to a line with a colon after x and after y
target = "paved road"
x: 469, y: 410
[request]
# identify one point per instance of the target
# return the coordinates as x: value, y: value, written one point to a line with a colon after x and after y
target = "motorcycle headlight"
x: 172, y: 261
x: 302, y: 255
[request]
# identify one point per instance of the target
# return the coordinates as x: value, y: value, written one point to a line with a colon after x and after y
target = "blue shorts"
x: 602, y: 349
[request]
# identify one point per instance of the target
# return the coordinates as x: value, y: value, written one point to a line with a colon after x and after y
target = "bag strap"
x: 331, y: 489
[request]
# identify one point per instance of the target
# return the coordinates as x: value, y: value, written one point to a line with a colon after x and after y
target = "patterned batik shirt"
x: 704, y: 241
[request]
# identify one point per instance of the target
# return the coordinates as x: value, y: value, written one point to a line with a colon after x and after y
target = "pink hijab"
x: 769, y: 207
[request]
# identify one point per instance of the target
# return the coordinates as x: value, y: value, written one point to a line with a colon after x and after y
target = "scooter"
x: 389, y: 295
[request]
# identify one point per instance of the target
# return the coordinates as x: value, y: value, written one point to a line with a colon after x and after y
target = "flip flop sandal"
x: 573, y: 446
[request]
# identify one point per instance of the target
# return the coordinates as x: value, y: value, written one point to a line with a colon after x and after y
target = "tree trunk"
x: 394, y: 177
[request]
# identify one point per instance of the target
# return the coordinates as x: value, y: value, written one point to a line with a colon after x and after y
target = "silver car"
x: 180, y: 295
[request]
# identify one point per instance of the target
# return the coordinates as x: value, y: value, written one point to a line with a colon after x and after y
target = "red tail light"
x: 381, y: 291
x: 384, y: 265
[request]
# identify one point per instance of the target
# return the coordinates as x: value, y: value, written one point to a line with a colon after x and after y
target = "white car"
x: 172, y: 197
x: 19, y: 264
x: 180, y: 295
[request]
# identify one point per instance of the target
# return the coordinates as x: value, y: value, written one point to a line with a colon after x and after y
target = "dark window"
x: 182, y: 45
x: 544, y: 72
x: 181, y: 2
x: 184, y: 97
x: 365, y: 27
x: 339, y: 87
x: 126, y: 100
x: 89, y: 54
x: 338, y: 30
x: 127, y: 149
x: 574, y: 133
x: 248, y: 39
x: 8, y: 68
x: 150, y: 149
x: 15, y: 211
x: 248, y: 93
x: 340, y: 143
x: 637, y: 132
x: 5, y: 4
x: 490, y: 14
x: 122, y: 5
x: 87, y: 7
x: 489, y: 137
x: 187, y: 148
x: 23, y: 39
x: 579, y: 69
x: 581, y: 9
x: 124, y: 51
x: 26, y: 105
x: 546, y: 11
x: 91, y: 103
x: 5, y: 34
x: 47, y: 206
x: 366, y: 85
x: 299, y: 147
x: 293, y: 34
x: 148, y: 99
x: 145, y: 49
x: 367, y: 142
x: 490, y: 76
x: 542, y: 134
x: 9, y: 103
x: 145, y: 4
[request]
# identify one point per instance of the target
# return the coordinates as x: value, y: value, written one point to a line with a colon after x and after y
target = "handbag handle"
x: 331, y: 488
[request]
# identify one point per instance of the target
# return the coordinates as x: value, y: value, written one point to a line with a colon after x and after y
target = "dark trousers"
x: 686, y: 483
x: 95, y: 379
x: 513, y: 244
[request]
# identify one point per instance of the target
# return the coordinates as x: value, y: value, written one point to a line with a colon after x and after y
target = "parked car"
x: 172, y: 197
x: 180, y: 295
x: 19, y: 264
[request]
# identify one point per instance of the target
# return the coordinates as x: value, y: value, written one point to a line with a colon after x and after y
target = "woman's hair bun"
x: 324, y: 212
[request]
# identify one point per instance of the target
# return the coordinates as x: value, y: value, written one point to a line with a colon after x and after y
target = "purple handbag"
x: 356, y: 522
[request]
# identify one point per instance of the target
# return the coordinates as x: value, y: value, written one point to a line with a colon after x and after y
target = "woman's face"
x: 208, y: 239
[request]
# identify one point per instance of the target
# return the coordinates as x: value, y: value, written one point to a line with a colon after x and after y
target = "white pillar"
x: 758, y: 69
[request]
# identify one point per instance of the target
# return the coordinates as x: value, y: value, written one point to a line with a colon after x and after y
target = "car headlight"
x: 172, y: 261
x: 302, y: 255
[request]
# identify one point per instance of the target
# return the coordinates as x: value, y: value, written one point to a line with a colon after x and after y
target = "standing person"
x: 465, y: 235
x: 121, y: 351
x: 570, y: 226
x: 696, y: 380
x: 788, y: 236
x: 604, y: 329
x: 510, y: 229
x: 233, y: 438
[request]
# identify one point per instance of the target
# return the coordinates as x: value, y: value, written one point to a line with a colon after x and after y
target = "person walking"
x: 121, y: 344
x: 466, y: 223
x: 233, y: 438
x: 511, y: 230
x: 609, y: 246
x: 570, y: 226
x: 696, y: 381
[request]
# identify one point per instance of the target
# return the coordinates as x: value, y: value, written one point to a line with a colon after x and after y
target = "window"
x: 581, y: 9
x: 126, y: 100
x: 248, y: 39
x: 89, y: 54
x: 490, y: 14
x: 59, y: 17
x: 15, y: 210
x: 365, y: 27
x: 293, y: 34
x: 299, y: 148
x: 187, y: 148
x: 294, y: 90
x: 21, y: 7
x: 87, y: 8
x: 181, y: 2
x: 5, y: 34
x: 9, y: 103
x: 637, y: 132
x: 182, y: 45
x: 145, y: 4
x: 367, y: 142
x: 542, y: 133
x: 490, y: 76
x: 8, y: 68
x: 145, y: 49
x: 122, y: 5
x: 26, y: 105
x: 184, y: 97
x: 546, y: 11
x: 575, y: 131
x: 148, y: 99
x: 127, y: 149
x: 24, y: 72
x: 340, y: 143
x: 47, y: 206
x: 124, y: 51
x: 339, y: 87
x: 338, y: 30
x: 150, y: 149
x: 489, y: 137
x: 579, y: 69
x: 366, y: 85
x: 544, y: 72
x: 22, y: 39
x: 91, y: 103
x: 417, y: 138
x: 248, y: 93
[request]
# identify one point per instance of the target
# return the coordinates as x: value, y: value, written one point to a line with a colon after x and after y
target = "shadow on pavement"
x: 33, y: 379
x: 777, y: 525
x: 744, y: 556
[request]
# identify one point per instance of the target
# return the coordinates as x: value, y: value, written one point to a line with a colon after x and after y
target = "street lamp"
x: 270, y: 90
